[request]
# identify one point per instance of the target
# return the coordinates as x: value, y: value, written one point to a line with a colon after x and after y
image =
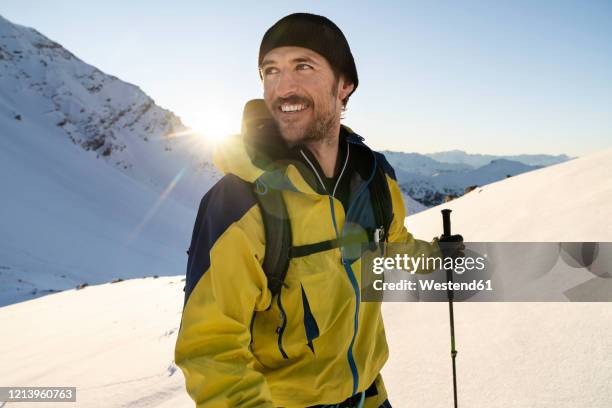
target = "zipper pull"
x: 379, y: 234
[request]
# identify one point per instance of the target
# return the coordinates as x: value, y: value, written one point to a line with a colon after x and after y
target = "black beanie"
x: 316, y: 33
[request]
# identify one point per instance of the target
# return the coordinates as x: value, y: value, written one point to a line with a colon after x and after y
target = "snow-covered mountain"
x: 477, y: 160
x: 508, y: 352
x: 430, y: 178
x: 43, y: 84
x: 98, y: 183
x: 420, y: 164
x: 432, y: 189
x: 569, y: 201
x: 412, y: 206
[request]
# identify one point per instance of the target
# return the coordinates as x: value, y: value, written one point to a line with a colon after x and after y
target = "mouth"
x: 293, y: 109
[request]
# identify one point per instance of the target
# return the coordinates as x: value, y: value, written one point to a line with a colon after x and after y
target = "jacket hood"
x: 237, y: 157
x: 260, y: 155
x: 231, y: 156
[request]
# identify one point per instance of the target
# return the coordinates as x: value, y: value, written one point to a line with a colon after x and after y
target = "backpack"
x: 265, y: 145
x: 279, y: 248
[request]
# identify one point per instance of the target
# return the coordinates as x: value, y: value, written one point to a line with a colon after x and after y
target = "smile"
x: 287, y: 108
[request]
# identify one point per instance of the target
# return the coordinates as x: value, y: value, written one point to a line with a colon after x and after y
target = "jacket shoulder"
x: 385, y: 165
x: 230, y: 189
x: 225, y: 203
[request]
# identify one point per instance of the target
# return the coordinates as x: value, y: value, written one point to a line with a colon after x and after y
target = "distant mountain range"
x: 430, y: 179
x: 477, y: 160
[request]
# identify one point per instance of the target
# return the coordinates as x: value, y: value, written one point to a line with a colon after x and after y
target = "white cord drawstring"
x: 360, y: 405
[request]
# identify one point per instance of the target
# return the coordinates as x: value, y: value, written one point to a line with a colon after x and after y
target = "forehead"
x: 292, y: 53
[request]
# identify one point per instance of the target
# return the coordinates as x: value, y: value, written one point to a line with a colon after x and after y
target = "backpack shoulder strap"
x: 381, y: 201
x: 277, y: 227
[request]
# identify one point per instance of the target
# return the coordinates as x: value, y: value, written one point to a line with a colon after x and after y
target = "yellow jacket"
x: 314, y: 343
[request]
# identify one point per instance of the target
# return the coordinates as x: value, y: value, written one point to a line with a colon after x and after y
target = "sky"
x: 497, y: 77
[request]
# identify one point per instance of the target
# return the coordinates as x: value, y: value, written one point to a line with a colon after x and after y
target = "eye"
x: 270, y: 70
x: 303, y: 67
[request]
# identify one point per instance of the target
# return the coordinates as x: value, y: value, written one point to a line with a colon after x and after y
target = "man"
x: 314, y: 343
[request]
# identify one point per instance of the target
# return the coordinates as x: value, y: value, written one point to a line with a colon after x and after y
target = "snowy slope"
x: 511, y: 355
x: 412, y: 206
x: 98, y: 182
x: 44, y: 84
x: 114, y: 342
x: 68, y: 218
x: 565, y: 202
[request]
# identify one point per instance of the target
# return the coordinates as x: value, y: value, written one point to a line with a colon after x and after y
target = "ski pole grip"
x: 446, y: 222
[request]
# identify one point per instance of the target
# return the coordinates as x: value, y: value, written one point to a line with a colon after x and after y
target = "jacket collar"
x: 289, y: 171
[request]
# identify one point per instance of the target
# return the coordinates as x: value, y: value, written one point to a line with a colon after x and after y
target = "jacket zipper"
x: 347, y: 267
x: 342, y: 171
x: 281, y: 329
x: 355, y: 285
x: 314, y: 169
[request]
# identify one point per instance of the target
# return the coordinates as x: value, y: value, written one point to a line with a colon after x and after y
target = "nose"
x: 286, y: 84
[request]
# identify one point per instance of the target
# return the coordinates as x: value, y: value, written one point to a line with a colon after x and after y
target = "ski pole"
x: 449, y: 277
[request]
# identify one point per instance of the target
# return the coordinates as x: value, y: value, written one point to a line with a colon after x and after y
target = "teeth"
x: 292, y: 108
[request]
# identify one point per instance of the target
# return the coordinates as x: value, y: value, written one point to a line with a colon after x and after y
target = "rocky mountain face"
x: 44, y: 83
x: 430, y: 181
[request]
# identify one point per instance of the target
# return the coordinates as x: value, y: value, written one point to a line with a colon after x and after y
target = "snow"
x: 132, y: 212
x: 116, y: 346
x: 68, y: 218
x: 71, y: 215
x: 511, y: 354
x: 114, y: 342
x: 412, y: 205
x: 564, y: 202
x: 114, y: 120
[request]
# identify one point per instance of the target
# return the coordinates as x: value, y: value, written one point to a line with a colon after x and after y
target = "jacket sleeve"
x: 401, y: 240
x: 225, y: 285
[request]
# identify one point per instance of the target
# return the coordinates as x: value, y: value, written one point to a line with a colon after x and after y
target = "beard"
x: 318, y: 129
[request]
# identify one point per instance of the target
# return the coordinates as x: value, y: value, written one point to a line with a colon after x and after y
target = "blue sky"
x: 500, y: 77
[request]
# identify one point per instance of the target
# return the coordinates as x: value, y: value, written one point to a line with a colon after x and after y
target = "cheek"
x: 266, y: 91
x: 268, y: 97
x: 269, y: 86
x: 320, y: 90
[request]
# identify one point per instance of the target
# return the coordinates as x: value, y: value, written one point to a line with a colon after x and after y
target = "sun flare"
x: 215, y: 127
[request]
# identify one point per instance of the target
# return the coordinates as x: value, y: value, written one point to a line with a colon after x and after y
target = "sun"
x: 215, y: 125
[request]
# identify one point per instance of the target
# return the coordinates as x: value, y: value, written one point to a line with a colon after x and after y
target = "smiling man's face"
x: 303, y: 93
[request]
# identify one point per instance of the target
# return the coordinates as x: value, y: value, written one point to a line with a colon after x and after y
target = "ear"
x: 346, y: 87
